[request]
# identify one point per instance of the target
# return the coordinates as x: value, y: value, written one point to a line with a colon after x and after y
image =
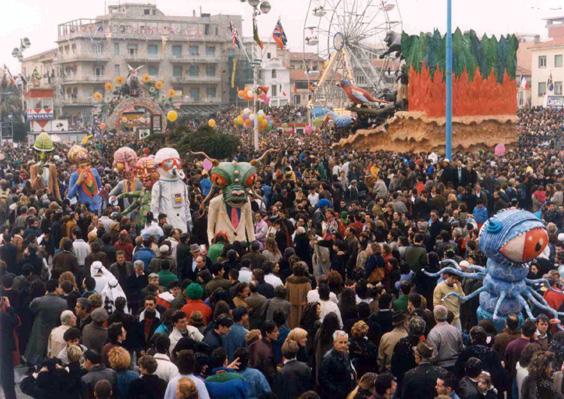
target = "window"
x: 210, y: 51
x: 557, y: 88
x: 211, y: 92
x: 274, y: 90
x: 99, y: 71
x: 116, y: 48
x: 132, y: 50
x: 194, y: 50
x: 558, y: 61
x: 177, y: 71
x: 542, y: 89
x: 542, y: 61
x: 153, y: 50
x: 98, y: 48
x: 116, y: 69
x: 153, y: 70
x: 177, y: 51
x: 301, y: 84
x: 274, y: 74
x: 193, y: 70
x: 206, y: 29
x: 73, y: 48
x: 268, y: 56
x: 146, y: 11
x: 195, y: 93
x: 297, y: 99
x: 210, y: 70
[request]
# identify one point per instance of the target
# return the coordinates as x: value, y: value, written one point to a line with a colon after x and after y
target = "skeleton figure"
x: 231, y: 212
x: 43, y: 174
x: 511, y: 240
x: 140, y: 201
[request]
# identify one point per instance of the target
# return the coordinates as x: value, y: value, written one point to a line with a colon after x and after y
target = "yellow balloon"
x: 212, y: 123
x: 239, y: 120
x: 248, y: 123
x: 172, y: 116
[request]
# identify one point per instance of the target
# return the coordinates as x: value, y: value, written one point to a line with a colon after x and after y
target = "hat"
x: 324, y: 202
x: 398, y: 318
x: 99, y: 315
x: 464, y: 263
x: 163, y: 249
x: 194, y: 248
x: 561, y: 237
x: 424, y: 349
x: 152, y: 275
x: 194, y: 291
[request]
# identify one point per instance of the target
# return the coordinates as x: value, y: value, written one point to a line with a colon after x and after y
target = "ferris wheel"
x: 349, y: 37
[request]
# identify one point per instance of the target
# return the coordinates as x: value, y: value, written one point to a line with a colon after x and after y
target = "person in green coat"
x: 165, y: 275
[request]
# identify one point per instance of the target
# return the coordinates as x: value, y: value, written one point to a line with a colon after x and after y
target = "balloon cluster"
x: 261, y: 92
x: 247, y: 119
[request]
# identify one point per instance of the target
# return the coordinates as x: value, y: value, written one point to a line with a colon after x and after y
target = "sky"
x: 38, y: 19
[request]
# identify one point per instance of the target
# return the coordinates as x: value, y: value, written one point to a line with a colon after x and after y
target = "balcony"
x: 205, y: 59
x: 196, y: 79
x: 81, y: 58
x: 77, y: 101
x: 84, y: 79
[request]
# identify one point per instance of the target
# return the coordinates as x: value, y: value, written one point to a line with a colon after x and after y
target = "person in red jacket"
x: 195, y: 292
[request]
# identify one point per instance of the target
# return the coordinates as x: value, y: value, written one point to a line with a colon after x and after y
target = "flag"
x: 549, y: 83
x: 234, y: 36
x: 523, y: 83
x: 256, y: 35
x: 279, y: 35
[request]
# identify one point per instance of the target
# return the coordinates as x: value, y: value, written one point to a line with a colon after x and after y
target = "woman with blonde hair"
x: 186, y: 389
x: 271, y: 251
x: 120, y: 360
x: 299, y: 336
x: 68, y: 276
x: 538, y: 384
x: 363, y: 353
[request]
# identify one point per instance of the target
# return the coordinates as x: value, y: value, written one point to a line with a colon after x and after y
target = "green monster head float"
x: 43, y: 145
x: 234, y: 179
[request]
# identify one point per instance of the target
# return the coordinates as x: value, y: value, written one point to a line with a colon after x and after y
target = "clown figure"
x: 170, y: 194
x: 84, y: 182
x: 43, y: 174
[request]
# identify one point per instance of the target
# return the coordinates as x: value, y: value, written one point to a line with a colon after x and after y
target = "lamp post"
x: 448, y: 108
x: 259, y: 8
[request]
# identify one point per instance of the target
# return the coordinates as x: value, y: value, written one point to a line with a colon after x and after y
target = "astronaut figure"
x: 169, y: 194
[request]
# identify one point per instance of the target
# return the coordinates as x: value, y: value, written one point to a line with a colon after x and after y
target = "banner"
x: 233, y: 73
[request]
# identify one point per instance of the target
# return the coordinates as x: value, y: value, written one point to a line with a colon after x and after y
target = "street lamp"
x: 259, y: 8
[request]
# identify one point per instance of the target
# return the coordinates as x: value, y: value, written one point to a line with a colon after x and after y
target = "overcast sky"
x: 38, y: 19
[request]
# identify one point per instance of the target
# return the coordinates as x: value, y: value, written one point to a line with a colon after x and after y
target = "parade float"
x: 484, y: 96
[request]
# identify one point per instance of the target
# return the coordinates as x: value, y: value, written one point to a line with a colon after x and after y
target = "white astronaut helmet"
x: 169, y: 163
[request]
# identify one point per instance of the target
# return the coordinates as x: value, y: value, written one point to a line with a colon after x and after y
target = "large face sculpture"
x: 79, y: 156
x: 124, y: 161
x: 146, y: 171
x: 234, y: 179
x: 43, y: 145
x: 169, y: 164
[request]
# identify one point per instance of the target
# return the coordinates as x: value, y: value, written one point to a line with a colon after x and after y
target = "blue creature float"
x: 511, y: 239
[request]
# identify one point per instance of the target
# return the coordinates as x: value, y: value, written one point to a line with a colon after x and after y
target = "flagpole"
x: 448, y: 105
x: 255, y: 82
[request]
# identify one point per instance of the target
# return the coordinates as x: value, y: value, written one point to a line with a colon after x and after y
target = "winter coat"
x: 298, y: 287
x: 337, y: 376
x: 47, y: 310
x: 147, y: 387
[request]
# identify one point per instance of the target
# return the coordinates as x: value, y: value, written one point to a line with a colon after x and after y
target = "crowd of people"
x: 330, y: 301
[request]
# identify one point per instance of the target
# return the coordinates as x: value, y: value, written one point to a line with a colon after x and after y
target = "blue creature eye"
x: 494, y: 226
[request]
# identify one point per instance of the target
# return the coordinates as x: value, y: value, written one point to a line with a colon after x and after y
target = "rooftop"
x: 555, y: 43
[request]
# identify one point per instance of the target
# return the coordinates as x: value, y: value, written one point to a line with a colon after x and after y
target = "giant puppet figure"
x: 170, y: 194
x: 85, y: 182
x: 124, y: 163
x: 511, y: 240
x: 43, y: 174
x: 140, y: 201
x: 231, y: 212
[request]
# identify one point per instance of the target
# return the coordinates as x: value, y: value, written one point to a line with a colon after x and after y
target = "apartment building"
x: 189, y: 53
x: 304, y: 71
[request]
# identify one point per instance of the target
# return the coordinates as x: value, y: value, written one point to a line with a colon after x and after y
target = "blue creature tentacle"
x: 545, y: 307
x: 498, y: 304
x: 455, y: 272
x: 464, y: 298
x: 480, y: 269
x: 526, y: 306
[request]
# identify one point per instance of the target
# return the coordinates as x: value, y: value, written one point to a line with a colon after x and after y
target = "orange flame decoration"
x: 469, y: 98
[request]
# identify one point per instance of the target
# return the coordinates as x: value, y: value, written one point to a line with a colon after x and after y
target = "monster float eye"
x: 527, y: 246
x: 218, y: 180
x: 251, y: 180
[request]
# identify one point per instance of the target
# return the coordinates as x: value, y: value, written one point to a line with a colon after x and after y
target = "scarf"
x: 89, y: 185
